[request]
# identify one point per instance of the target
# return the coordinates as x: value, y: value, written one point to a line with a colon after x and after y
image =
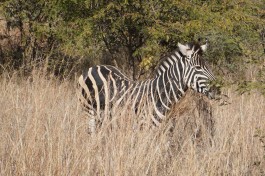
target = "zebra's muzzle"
x: 213, y: 92
x: 210, y: 95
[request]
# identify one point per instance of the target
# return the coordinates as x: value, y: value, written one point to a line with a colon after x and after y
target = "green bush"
x: 134, y: 34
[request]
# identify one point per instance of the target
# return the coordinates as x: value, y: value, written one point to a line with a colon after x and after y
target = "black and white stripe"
x: 104, y: 87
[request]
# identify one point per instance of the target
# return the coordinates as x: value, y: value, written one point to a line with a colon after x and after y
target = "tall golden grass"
x: 43, y: 131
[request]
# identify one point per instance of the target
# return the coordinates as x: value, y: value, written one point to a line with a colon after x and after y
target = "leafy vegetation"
x: 43, y: 129
x: 68, y: 35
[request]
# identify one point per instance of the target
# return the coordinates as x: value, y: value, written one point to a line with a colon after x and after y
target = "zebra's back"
x: 102, y: 84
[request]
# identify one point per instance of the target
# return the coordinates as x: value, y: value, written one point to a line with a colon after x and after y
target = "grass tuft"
x: 43, y: 131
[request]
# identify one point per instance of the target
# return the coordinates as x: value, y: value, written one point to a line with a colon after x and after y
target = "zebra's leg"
x: 83, y: 94
x: 92, y: 122
x: 92, y: 118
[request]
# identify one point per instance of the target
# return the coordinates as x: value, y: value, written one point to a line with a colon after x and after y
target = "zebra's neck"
x: 170, y: 76
x: 167, y: 86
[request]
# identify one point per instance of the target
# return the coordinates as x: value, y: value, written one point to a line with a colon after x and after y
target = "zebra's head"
x: 197, y: 75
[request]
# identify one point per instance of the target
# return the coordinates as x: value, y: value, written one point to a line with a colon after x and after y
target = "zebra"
x: 104, y: 87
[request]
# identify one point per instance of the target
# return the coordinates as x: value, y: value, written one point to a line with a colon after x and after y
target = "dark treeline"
x: 67, y: 35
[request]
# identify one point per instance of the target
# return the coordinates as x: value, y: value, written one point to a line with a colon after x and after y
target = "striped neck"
x: 170, y: 76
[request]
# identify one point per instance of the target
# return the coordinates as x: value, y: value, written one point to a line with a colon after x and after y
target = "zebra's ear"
x: 204, y: 47
x: 183, y: 49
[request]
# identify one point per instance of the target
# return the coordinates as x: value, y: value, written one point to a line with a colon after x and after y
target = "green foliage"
x: 136, y: 34
x: 247, y: 86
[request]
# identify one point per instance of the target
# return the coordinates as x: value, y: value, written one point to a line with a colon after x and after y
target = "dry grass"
x: 43, y: 131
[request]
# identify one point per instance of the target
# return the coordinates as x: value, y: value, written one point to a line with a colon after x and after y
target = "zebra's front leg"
x: 92, y: 122
x: 92, y: 125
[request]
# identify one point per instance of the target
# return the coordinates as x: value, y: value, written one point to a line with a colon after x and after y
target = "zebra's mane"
x: 165, y: 58
x: 195, y: 45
